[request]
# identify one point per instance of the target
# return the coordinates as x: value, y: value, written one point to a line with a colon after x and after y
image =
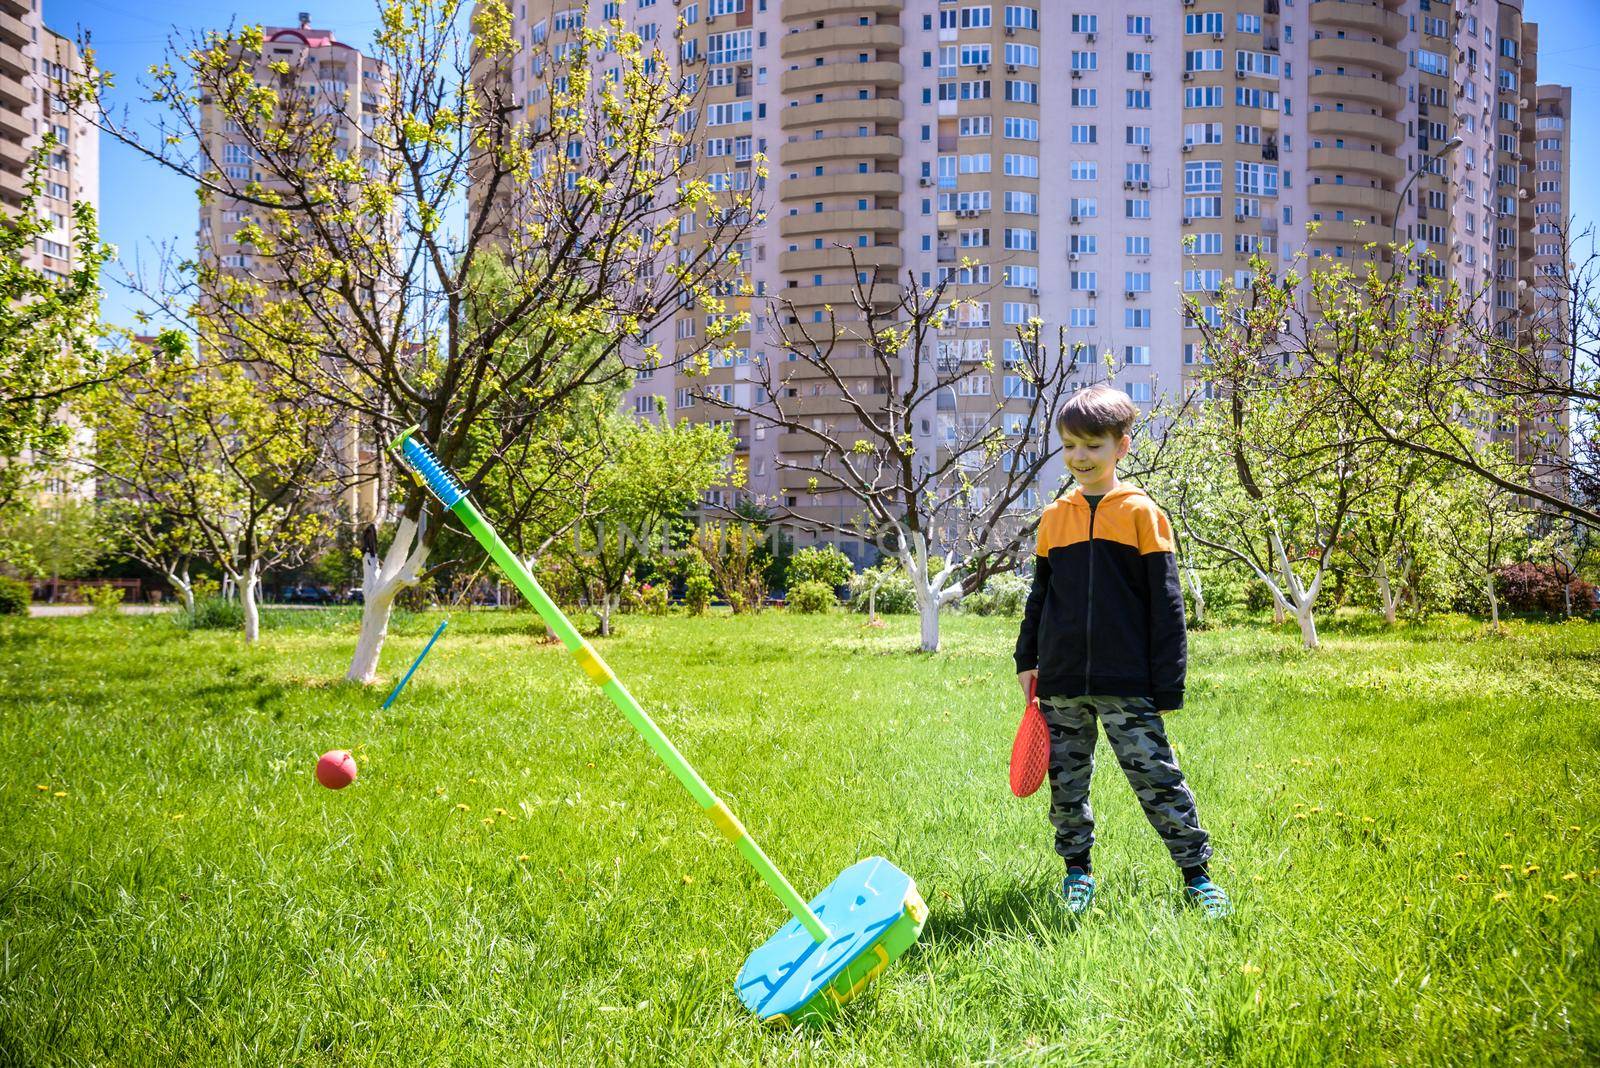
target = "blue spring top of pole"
x: 440, y: 482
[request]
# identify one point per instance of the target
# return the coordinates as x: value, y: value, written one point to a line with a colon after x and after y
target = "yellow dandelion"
x: 523, y: 856
x: 1507, y: 867
x: 688, y: 879
x: 1299, y: 815
x: 1463, y: 877
x: 1250, y: 969
x: 463, y: 806
x: 1299, y: 804
x: 1574, y: 828
x: 1509, y: 836
x: 438, y: 789
x: 41, y: 786
x: 61, y: 793
x: 1386, y: 839
x: 488, y: 821
x: 176, y: 817
x: 1459, y: 855
x: 1339, y: 814
x: 1531, y: 869
x: 1551, y: 898
x: 1316, y: 808
x: 499, y: 812
x: 1501, y: 896
x: 1368, y: 819
x: 1571, y: 875
x: 472, y: 780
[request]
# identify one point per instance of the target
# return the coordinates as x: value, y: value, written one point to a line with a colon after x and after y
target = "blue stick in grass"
x: 416, y: 663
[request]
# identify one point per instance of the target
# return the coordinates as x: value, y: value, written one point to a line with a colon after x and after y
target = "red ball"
x: 336, y: 769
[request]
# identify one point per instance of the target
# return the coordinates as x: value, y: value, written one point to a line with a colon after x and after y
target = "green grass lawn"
x: 1409, y: 823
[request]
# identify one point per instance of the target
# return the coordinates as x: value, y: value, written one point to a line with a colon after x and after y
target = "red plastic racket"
x: 1030, y: 750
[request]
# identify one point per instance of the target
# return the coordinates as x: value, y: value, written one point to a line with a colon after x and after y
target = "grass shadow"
x: 987, y: 909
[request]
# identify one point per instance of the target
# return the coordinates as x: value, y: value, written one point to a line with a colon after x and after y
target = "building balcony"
x: 1346, y: 232
x: 841, y: 296
x: 12, y: 30
x: 1358, y: 198
x: 840, y: 38
x: 1375, y: 128
x: 847, y: 221
x: 880, y: 146
x: 820, y: 259
x: 1381, y: 165
x: 1358, y: 15
x: 13, y: 92
x: 884, y: 109
x: 833, y: 75
x: 13, y: 124
x: 1375, y: 92
x: 13, y: 156
x: 880, y: 183
x: 12, y: 61
x: 1344, y: 52
x: 793, y: 10
x: 19, y: 8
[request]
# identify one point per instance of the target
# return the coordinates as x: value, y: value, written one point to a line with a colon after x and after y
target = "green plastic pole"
x: 448, y: 491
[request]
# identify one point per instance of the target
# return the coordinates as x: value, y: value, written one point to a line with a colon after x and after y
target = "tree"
x: 951, y: 502
x: 731, y: 552
x: 61, y: 538
x: 1480, y: 528
x: 652, y: 474
x: 366, y: 291
x: 209, y: 459
x: 50, y: 331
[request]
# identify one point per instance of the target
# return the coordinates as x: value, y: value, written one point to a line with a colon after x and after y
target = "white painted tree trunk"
x: 1197, y: 591
x: 933, y: 591
x: 606, y: 605
x: 1494, y: 602
x: 1388, y: 594
x: 381, y: 582
x: 249, y: 585
x: 180, y: 581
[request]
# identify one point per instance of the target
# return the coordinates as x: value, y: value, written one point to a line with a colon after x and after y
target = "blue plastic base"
x: 874, y: 914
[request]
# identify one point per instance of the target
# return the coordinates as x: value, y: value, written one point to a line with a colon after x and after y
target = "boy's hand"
x: 1026, y: 680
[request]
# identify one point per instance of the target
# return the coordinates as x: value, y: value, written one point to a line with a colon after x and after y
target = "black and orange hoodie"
x: 1105, y: 615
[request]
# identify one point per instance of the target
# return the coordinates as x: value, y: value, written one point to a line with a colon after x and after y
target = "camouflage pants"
x: 1139, y: 739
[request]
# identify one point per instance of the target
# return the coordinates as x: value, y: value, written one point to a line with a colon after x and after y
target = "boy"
x: 1103, y: 637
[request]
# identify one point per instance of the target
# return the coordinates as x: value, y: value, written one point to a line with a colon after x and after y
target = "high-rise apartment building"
x: 341, y: 87
x: 36, y: 64
x: 1099, y: 164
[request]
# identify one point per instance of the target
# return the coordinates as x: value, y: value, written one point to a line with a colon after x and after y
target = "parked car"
x: 353, y: 595
x: 307, y: 594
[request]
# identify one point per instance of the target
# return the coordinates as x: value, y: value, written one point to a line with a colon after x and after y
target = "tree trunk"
x: 381, y: 582
x: 1197, y: 591
x: 1494, y: 603
x: 603, y: 610
x: 1306, y: 616
x: 1388, y: 596
x: 249, y: 584
x: 1279, y: 616
x: 181, y: 582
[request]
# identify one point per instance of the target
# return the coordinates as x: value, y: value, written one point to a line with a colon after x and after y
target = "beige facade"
x: 344, y: 85
x: 1100, y: 163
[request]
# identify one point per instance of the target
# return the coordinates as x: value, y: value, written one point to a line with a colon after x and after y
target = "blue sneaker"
x: 1078, y: 889
x: 1202, y: 893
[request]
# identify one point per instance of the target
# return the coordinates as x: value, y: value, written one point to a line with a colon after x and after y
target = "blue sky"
x: 143, y: 206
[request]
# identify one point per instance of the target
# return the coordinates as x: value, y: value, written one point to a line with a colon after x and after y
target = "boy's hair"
x: 1097, y: 410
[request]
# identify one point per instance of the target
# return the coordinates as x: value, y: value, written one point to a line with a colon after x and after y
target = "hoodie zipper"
x: 1088, y: 616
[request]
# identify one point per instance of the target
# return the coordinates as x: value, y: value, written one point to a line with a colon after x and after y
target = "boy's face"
x: 1092, y: 459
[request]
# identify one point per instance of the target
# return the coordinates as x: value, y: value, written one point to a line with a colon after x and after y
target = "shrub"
x: 103, y: 598
x: 1002, y: 595
x: 651, y: 599
x: 14, y: 597
x: 824, y: 564
x: 811, y: 596
x: 214, y: 613
x: 1529, y: 587
x: 894, y: 594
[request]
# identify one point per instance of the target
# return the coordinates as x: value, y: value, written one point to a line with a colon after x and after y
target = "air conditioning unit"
x: 925, y: 182
x: 1089, y: 37
x: 1077, y: 73
x: 1238, y: 218
x: 1034, y: 291
x: 1188, y: 3
x: 1217, y: 36
x: 1094, y: 292
x: 1149, y: 38
x: 1072, y: 257
x: 983, y: 68
x: 1130, y: 294
x: 1188, y: 148
x: 1187, y: 221
x: 1145, y: 149
x: 711, y: 20
x: 1188, y: 75
x: 1144, y: 187
x: 1011, y: 31
x: 1239, y: 74
x: 1073, y: 218
x: 1011, y: 68
x: 1147, y: 76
